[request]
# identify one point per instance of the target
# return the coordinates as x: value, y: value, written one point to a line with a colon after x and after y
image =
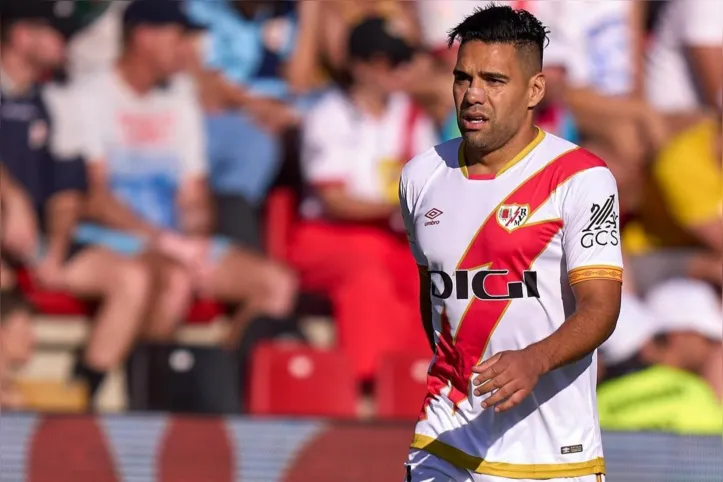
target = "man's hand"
x: 512, y: 375
x: 20, y: 233
x: 272, y: 115
x: 49, y: 273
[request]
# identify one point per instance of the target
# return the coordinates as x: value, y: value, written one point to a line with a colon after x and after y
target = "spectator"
x: 42, y: 193
x: 340, y: 17
x: 684, y: 72
x: 145, y: 148
x: 678, y: 231
x: 257, y: 62
x: 97, y: 45
x: 17, y: 342
x: 598, y: 49
x: 657, y: 361
x: 355, y: 143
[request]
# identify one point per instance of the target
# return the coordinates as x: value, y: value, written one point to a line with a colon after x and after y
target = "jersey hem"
x: 463, y: 460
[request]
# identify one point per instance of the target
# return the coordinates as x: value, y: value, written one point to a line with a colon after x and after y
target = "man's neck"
x: 372, y: 103
x: 137, y: 75
x: 491, y: 162
x: 18, y: 76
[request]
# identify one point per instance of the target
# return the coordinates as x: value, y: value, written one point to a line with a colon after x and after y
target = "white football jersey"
x: 502, y: 251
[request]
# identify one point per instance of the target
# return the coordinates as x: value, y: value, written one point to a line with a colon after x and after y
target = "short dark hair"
x: 503, y: 24
x: 13, y: 301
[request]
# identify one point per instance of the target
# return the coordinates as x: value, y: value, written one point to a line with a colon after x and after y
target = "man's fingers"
x: 486, y: 364
x: 511, y: 401
x: 498, y: 396
x: 491, y: 384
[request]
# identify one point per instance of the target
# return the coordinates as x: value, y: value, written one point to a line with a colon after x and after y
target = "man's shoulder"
x: 332, y: 101
x: 422, y: 166
x: 566, y: 156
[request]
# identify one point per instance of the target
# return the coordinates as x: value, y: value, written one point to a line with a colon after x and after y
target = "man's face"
x: 164, y: 46
x: 42, y: 45
x: 378, y: 74
x: 686, y: 350
x: 492, y: 93
x: 17, y: 340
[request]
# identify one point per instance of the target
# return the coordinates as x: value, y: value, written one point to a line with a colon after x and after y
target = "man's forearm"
x: 591, y: 106
x: 63, y: 212
x: 578, y: 336
x: 109, y: 211
x: 349, y: 209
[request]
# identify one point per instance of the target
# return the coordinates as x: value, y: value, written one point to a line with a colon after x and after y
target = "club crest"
x: 512, y: 216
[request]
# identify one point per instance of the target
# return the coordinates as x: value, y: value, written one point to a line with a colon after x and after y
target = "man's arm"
x: 106, y: 209
x: 340, y: 205
x: 20, y: 233
x: 590, y: 215
x: 62, y: 212
x: 596, y: 313
x: 425, y: 305
x: 194, y: 203
x: 701, y: 33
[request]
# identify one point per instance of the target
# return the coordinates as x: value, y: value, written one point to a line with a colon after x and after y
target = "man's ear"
x: 536, y: 90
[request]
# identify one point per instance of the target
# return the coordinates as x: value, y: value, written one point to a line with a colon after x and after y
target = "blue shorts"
x: 128, y: 244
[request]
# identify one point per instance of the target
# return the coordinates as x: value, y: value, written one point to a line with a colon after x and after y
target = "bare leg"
x: 263, y: 286
x: 122, y: 284
x: 172, y: 290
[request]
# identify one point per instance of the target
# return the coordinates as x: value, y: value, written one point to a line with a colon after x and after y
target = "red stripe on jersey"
x: 494, y: 247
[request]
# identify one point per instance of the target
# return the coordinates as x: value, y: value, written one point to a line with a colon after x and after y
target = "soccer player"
x: 520, y: 274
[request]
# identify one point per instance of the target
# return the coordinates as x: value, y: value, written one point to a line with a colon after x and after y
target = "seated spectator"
x: 599, y: 54
x: 145, y: 148
x: 17, y: 342
x: 256, y: 65
x: 684, y: 72
x: 42, y: 196
x: 679, y: 230
x: 355, y: 143
x: 656, y: 362
x: 339, y: 17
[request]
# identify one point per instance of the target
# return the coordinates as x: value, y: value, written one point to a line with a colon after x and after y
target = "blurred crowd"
x: 141, y: 141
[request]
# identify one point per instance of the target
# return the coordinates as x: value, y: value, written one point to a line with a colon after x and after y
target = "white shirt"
x: 669, y: 81
x: 503, y: 252
x: 150, y: 143
x: 591, y: 39
x: 97, y: 46
x: 342, y: 145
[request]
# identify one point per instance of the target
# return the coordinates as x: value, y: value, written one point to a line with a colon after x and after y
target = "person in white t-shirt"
x: 145, y: 147
x: 355, y: 142
x: 520, y: 275
x: 684, y: 71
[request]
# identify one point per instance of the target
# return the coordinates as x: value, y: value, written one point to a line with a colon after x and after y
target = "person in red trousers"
x: 351, y: 243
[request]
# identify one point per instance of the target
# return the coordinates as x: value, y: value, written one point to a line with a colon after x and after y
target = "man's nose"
x: 475, y: 95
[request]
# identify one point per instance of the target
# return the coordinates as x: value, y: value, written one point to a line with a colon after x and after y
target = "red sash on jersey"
x: 494, y: 247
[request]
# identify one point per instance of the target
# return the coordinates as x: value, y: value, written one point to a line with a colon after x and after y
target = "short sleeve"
x: 702, y: 23
x: 599, y: 41
x: 406, y: 205
x: 92, y: 121
x: 191, y: 135
x: 591, y: 227
x: 425, y: 135
x: 324, y: 153
x: 65, y: 147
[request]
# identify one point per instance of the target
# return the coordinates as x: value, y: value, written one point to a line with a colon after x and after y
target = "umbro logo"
x: 602, y: 229
x: 432, y: 215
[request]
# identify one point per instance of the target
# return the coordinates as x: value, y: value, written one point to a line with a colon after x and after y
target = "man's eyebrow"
x: 494, y: 75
